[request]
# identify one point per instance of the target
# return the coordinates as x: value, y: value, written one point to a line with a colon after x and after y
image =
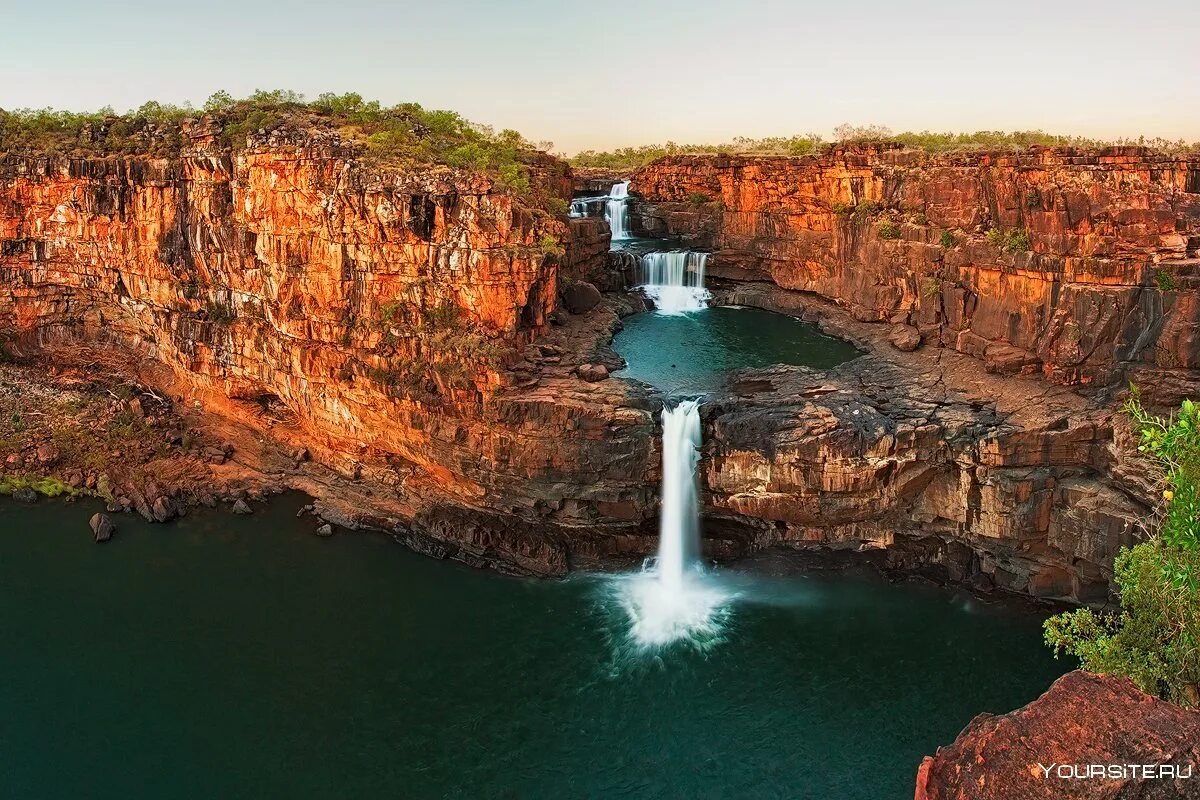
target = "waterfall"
x: 678, y: 542
x: 618, y: 200
x: 675, y: 281
x: 673, y: 599
x: 582, y: 206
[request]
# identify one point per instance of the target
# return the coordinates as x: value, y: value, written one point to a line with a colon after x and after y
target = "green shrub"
x: 841, y: 208
x: 48, y: 486
x: 886, y: 229
x: 1013, y: 241
x: 1164, y: 280
x: 549, y: 245
x: 1155, y: 639
x: 699, y: 198
x: 948, y: 240
x: 931, y: 287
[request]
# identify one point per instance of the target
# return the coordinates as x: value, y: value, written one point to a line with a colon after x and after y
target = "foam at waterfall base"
x: 677, y: 300
x: 692, y: 609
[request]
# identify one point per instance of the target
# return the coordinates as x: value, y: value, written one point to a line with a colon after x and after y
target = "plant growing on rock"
x: 887, y: 229
x: 948, y: 240
x: 1164, y: 280
x: 1012, y: 241
x: 1155, y: 639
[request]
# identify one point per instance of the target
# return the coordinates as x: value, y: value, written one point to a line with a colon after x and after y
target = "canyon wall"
x: 387, y: 310
x: 979, y: 433
x: 1090, y: 276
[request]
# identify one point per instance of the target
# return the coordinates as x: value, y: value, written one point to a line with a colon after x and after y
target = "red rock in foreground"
x: 1083, y: 720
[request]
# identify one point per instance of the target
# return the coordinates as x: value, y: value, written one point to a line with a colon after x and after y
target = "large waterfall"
x: 616, y: 212
x: 672, y: 598
x: 675, y: 280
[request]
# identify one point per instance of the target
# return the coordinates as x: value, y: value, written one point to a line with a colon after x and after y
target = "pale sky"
x: 588, y: 74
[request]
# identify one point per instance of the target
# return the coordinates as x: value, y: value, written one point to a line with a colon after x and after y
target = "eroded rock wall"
x: 389, y: 310
x: 1105, y: 286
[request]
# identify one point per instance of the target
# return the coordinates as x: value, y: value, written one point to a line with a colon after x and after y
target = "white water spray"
x: 672, y: 599
x: 616, y: 210
x: 675, y: 281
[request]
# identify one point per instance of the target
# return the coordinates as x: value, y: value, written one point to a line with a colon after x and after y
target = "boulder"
x: 905, y: 338
x: 163, y: 509
x: 1081, y: 721
x: 102, y: 527
x: 580, y: 297
x: 47, y: 454
x: 242, y: 507
x: 592, y: 372
x: 25, y: 495
x: 325, y: 530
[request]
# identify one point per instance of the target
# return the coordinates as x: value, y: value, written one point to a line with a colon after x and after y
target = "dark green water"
x: 243, y: 657
x: 690, y: 353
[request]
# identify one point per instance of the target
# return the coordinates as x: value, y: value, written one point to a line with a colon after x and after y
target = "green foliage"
x: 1173, y: 443
x: 948, y: 240
x: 404, y: 133
x: 1155, y: 640
x: 886, y: 229
x: 1164, y: 280
x: 931, y: 287
x: 634, y: 157
x: 1011, y: 241
x: 50, y: 487
x: 929, y: 141
x: 556, y: 207
x: 1033, y: 199
x: 699, y: 198
x: 549, y: 245
x: 842, y: 208
x: 866, y: 208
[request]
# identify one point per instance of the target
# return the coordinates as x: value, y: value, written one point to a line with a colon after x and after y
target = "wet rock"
x: 905, y: 338
x: 25, y: 495
x: 164, y: 509
x: 242, y: 507
x: 580, y: 297
x: 592, y: 372
x: 102, y: 527
x: 325, y: 530
x: 1082, y: 719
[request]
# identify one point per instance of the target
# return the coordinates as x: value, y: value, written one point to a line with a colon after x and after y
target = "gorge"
x: 908, y: 361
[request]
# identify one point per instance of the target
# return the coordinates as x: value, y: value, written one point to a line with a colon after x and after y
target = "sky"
x: 613, y: 73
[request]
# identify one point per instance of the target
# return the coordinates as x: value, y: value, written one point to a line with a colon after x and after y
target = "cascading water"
x: 675, y: 281
x: 618, y: 205
x: 672, y: 598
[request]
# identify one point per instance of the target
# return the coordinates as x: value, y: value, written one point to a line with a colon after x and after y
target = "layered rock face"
x: 386, y: 310
x: 1090, y: 276
x: 992, y: 451
x: 1054, y: 747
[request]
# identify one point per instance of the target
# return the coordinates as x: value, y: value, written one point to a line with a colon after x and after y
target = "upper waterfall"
x: 616, y: 210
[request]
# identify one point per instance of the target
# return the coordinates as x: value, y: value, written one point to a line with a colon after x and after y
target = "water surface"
x: 689, y: 353
x: 244, y: 657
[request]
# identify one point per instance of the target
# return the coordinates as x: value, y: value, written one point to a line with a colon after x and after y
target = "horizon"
x: 565, y: 80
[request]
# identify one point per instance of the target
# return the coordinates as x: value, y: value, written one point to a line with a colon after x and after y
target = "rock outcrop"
x: 1081, y: 266
x: 383, y: 313
x: 1055, y: 747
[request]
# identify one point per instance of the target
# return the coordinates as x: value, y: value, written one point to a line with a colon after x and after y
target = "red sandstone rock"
x: 1103, y: 225
x: 1082, y: 720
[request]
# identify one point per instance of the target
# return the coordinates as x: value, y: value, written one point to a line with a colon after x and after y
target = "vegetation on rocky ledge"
x: 928, y: 141
x: 405, y: 133
x: 1155, y: 639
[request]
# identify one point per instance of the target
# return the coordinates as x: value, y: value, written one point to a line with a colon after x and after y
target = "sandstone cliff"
x: 1082, y: 720
x: 1091, y: 273
x: 387, y: 310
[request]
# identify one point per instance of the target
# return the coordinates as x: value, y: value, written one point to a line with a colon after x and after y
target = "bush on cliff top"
x: 929, y: 141
x: 1155, y: 640
x: 401, y: 133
